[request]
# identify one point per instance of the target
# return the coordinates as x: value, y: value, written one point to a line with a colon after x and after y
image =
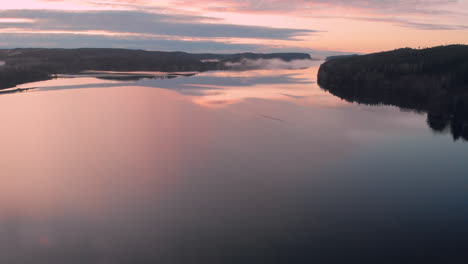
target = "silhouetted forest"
x: 27, y: 65
x: 12, y: 76
x: 433, y: 80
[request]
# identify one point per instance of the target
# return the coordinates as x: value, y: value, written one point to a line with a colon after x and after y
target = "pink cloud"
x: 280, y: 6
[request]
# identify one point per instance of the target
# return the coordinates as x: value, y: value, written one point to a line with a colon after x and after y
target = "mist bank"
x: 249, y: 64
x: 433, y: 80
x: 34, y: 64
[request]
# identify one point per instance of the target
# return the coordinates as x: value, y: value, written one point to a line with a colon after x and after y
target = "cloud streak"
x: 408, y: 12
x: 379, y: 6
x: 69, y: 40
x: 412, y: 24
x: 146, y: 23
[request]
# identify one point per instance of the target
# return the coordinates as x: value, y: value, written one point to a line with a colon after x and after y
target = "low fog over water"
x: 247, y: 64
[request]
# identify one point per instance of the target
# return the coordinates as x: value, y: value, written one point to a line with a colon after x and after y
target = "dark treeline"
x: 12, y: 76
x: 26, y: 65
x: 433, y: 80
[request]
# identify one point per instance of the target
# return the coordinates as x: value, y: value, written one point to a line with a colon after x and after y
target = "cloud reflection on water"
x: 211, y: 89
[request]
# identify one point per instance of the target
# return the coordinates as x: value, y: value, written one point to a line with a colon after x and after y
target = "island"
x: 36, y: 64
x: 432, y: 80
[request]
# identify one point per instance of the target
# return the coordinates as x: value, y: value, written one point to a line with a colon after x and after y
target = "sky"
x: 319, y: 27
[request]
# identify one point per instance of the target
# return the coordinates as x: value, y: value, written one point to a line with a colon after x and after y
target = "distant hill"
x: 434, y: 80
x: 340, y: 56
x: 67, y: 60
x: 26, y: 65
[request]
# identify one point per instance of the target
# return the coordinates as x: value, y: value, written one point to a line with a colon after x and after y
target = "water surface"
x: 223, y: 167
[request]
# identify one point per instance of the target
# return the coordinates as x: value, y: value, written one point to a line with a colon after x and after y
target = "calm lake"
x: 258, y: 166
